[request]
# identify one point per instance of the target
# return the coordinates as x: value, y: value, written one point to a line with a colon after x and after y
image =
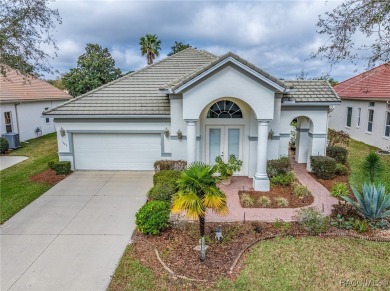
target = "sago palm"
x: 198, y: 191
x: 150, y: 46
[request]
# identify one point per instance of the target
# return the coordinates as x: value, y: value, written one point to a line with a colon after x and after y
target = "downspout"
x: 17, y: 118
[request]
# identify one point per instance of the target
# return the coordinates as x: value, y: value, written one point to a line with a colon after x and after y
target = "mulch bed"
x: 328, y: 184
x: 278, y: 191
x: 49, y: 177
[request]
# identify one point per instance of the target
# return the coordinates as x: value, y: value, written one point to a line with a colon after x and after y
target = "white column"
x: 260, y: 180
x: 191, y: 141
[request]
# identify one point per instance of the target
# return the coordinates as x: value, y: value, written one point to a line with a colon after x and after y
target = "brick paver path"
x: 322, y: 200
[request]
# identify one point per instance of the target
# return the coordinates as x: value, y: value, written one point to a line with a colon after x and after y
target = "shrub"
x: 323, y: 167
x: 341, y: 222
x: 51, y: 164
x: 177, y: 165
x: 338, y: 138
x: 153, y: 217
x: 360, y: 226
x: 340, y: 154
x: 282, y: 225
x: 278, y: 167
x: 301, y: 191
x: 372, y: 166
x: 283, y: 179
x: 61, y: 168
x: 312, y: 220
x: 339, y: 189
x: 264, y: 201
x: 281, y: 202
x: 162, y: 192
x: 4, y: 146
x: 373, y: 203
x: 341, y: 170
x: 246, y: 200
x: 166, y: 176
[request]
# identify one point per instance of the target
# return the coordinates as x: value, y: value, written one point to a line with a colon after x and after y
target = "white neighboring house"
x: 194, y: 106
x: 365, y: 107
x: 22, y: 102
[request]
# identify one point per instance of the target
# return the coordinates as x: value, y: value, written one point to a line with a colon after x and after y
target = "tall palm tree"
x: 150, y: 46
x: 198, y: 191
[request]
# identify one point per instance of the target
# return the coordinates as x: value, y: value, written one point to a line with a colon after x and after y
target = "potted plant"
x: 226, y: 170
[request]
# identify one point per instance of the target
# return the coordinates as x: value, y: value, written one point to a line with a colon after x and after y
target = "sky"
x: 277, y: 36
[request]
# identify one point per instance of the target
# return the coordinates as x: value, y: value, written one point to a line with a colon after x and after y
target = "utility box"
x: 13, y: 139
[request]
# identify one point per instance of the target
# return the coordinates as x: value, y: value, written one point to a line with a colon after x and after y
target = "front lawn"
x: 17, y: 190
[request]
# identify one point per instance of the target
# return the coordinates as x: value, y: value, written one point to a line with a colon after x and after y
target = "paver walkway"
x: 322, y: 200
x: 8, y: 161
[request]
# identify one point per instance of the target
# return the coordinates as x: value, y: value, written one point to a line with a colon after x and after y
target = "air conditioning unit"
x: 13, y: 139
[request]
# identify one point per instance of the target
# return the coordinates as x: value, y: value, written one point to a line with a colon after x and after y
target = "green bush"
x: 166, y: 176
x: 323, y: 167
x: 162, y: 192
x: 61, y: 168
x: 177, y: 165
x: 339, y: 189
x: 340, y: 154
x: 360, y: 226
x: 312, y: 220
x: 278, y: 167
x: 153, y: 217
x: 247, y: 200
x: 283, y: 179
x: 4, y: 146
x: 300, y: 190
x: 341, y: 170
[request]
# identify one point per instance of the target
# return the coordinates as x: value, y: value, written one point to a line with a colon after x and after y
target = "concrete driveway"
x: 8, y: 161
x: 72, y: 237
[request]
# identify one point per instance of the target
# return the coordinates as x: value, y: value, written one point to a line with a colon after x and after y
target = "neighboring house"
x: 194, y: 106
x: 365, y: 107
x: 22, y: 100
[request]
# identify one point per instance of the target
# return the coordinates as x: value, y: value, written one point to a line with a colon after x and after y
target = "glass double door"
x: 223, y: 141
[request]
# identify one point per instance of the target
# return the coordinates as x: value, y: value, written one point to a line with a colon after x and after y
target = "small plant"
x: 264, y: 201
x: 341, y: 170
x: 301, y: 191
x: 283, y: 179
x: 312, y: 220
x: 282, y: 225
x: 4, y: 146
x: 340, y: 154
x: 339, y: 189
x: 341, y: 222
x: 281, y: 202
x: 372, y: 166
x: 61, y: 168
x: 323, y: 167
x: 278, y: 167
x: 373, y: 203
x: 153, y: 217
x: 360, y: 226
x: 226, y: 170
x: 293, y: 138
x: 247, y: 200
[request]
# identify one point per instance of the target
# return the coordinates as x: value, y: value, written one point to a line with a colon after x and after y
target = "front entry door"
x: 223, y: 141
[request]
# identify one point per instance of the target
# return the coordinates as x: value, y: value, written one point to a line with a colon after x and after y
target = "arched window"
x: 224, y: 109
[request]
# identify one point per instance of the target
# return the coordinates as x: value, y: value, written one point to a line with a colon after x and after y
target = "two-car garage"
x: 116, y: 151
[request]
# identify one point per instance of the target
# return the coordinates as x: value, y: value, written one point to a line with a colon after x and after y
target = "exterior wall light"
x: 270, y: 134
x: 166, y: 132
x: 62, y: 132
x: 179, y: 135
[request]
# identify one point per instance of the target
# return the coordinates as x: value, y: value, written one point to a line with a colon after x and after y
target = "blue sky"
x: 277, y: 36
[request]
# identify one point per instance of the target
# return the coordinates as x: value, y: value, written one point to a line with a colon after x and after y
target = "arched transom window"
x: 224, y: 109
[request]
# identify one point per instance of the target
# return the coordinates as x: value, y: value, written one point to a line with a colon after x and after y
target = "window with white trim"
x: 387, y: 125
x: 8, y: 121
x: 349, y: 116
x: 47, y: 120
x: 224, y: 109
x: 370, y: 120
x: 359, y: 113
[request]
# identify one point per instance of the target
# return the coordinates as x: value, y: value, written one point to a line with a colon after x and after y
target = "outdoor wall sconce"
x: 218, y: 234
x: 166, y: 132
x: 62, y: 132
x: 270, y: 134
x: 179, y: 135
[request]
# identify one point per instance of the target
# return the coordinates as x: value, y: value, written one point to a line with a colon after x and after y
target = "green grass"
x: 16, y: 190
x: 357, y: 153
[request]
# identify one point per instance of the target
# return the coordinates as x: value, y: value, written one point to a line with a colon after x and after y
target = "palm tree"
x: 198, y: 191
x: 150, y: 46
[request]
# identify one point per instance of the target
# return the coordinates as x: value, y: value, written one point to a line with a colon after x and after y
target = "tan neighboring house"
x: 365, y: 107
x: 22, y: 102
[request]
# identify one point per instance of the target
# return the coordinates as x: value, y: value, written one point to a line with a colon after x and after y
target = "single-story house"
x: 23, y: 99
x: 194, y: 106
x: 365, y: 107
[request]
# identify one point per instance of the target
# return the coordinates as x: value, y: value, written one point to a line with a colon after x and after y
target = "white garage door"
x: 116, y: 151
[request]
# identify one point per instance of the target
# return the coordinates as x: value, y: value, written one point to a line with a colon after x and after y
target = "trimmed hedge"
x: 323, y: 167
x: 162, y: 192
x: 177, y: 165
x: 4, y: 146
x: 340, y: 154
x: 61, y: 168
x: 166, y: 176
x: 153, y: 217
x: 278, y: 167
x: 341, y: 170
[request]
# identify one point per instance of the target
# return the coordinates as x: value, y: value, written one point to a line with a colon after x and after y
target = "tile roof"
x: 18, y: 88
x: 373, y: 84
x: 310, y: 91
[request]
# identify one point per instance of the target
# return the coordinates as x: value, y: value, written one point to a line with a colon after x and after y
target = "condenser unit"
x: 13, y: 139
